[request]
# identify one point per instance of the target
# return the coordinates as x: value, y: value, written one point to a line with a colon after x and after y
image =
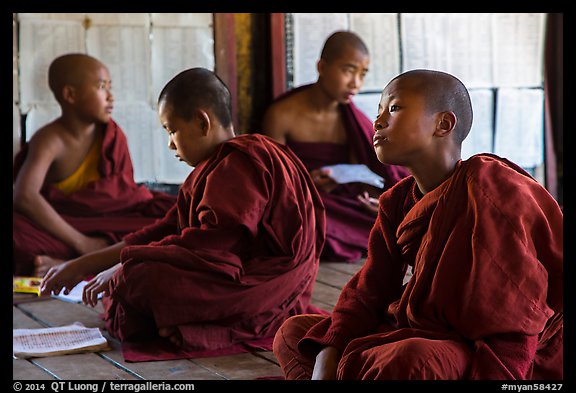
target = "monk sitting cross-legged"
x: 484, y: 241
x: 238, y: 253
x: 321, y: 124
x: 74, y: 188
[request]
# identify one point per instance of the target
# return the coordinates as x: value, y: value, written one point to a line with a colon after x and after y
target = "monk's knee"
x: 285, y: 346
x: 416, y: 358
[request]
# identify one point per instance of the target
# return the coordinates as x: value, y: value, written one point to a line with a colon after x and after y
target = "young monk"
x: 238, y: 253
x: 484, y: 240
x: 321, y: 124
x: 74, y: 189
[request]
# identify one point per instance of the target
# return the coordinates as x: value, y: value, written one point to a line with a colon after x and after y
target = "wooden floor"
x: 110, y: 365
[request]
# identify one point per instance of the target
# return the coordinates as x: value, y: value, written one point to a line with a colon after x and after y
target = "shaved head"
x: 70, y: 69
x: 336, y: 44
x: 442, y: 92
x: 198, y: 88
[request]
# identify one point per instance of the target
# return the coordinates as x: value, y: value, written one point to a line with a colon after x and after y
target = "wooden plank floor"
x: 110, y: 365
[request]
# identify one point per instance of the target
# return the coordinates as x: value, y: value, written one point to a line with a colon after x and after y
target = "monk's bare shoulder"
x: 281, y: 116
x: 52, y: 137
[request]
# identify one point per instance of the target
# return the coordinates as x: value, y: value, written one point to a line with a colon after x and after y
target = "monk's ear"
x: 320, y: 66
x: 205, y: 121
x: 69, y: 94
x: 446, y: 122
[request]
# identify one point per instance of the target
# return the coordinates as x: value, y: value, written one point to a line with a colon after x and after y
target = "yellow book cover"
x: 26, y: 284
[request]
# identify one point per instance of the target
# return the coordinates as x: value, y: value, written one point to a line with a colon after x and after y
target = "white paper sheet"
x: 424, y: 41
x: 379, y: 31
x: 518, y: 42
x: 310, y: 33
x: 469, y: 52
x: 352, y: 173
x: 481, y: 138
x: 520, y: 126
x: 75, y: 295
x: 140, y: 123
x: 40, y: 42
x: 175, y: 49
x: 125, y: 50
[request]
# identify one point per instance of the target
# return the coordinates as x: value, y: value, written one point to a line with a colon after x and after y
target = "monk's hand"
x: 99, y: 284
x: 173, y: 334
x: 89, y: 244
x: 368, y: 203
x: 323, y: 180
x: 326, y: 364
x: 63, y: 276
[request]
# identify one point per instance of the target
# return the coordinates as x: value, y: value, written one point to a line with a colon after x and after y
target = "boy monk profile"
x: 484, y: 240
x: 321, y: 124
x: 238, y: 253
x: 74, y: 190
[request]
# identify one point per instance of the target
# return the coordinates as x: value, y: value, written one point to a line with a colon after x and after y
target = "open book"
x: 63, y: 340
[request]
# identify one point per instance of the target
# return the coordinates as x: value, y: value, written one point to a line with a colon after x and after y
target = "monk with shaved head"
x: 321, y: 124
x: 483, y: 240
x: 74, y: 189
x: 236, y: 256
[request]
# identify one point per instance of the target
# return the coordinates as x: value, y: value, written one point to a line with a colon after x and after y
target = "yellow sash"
x: 87, y: 171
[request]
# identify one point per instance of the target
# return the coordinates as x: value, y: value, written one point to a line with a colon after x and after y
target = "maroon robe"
x: 348, y: 224
x: 235, y: 257
x: 485, y: 299
x: 112, y: 206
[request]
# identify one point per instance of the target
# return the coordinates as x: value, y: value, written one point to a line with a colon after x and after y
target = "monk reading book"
x: 238, y: 253
x: 74, y: 189
x: 484, y: 241
x: 321, y: 124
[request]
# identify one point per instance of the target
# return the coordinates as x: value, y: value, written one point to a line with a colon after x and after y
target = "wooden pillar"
x: 225, y: 57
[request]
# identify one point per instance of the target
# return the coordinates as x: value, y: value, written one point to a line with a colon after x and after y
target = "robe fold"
x: 111, y: 206
x: 348, y: 225
x: 485, y: 297
x: 235, y: 257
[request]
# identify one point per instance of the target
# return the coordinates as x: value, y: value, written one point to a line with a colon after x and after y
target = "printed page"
x: 41, y: 41
x: 310, y: 33
x: 470, y: 49
x: 140, y: 123
x: 379, y: 31
x: 518, y: 40
x: 175, y: 49
x: 424, y: 41
x: 56, y: 341
x: 122, y: 43
x: 481, y: 138
x: 520, y: 126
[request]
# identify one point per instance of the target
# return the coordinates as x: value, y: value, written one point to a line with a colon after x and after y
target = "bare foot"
x: 43, y: 263
x: 173, y: 334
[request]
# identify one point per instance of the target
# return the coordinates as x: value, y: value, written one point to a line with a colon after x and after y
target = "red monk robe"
x: 112, y: 206
x: 484, y: 302
x: 235, y: 257
x: 348, y: 225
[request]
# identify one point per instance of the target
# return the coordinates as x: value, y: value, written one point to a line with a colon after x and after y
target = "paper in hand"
x: 352, y: 173
x: 75, y: 295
